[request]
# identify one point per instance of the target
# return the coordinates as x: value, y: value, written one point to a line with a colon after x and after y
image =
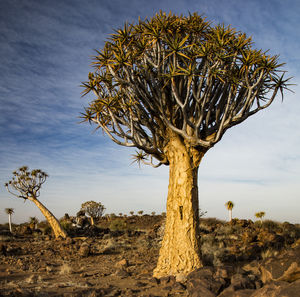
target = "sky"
x: 45, y: 54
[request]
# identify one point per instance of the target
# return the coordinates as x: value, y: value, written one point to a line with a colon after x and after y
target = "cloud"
x: 46, y: 50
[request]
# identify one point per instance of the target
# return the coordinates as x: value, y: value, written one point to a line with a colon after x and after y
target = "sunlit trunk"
x: 53, y: 222
x: 180, y: 250
x: 230, y: 214
x: 9, y: 223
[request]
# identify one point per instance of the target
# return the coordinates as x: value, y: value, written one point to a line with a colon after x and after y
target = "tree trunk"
x: 180, y: 250
x: 230, y: 215
x: 54, y: 223
x: 92, y: 221
x: 9, y: 223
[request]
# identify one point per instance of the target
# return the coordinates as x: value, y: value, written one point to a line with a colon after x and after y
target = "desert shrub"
x: 270, y: 225
x: 268, y: 253
x: 45, y: 227
x: 118, y: 225
x: 67, y: 226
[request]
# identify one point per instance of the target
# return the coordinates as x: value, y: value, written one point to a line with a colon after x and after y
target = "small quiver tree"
x: 26, y: 185
x: 9, y: 211
x: 93, y: 209
x: 33, y: 221
x: 229, y: 206
x: 260, y: 215
x: 171, y: 86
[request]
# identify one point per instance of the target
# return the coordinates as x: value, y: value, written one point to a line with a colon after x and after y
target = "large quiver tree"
x: 171, y: 86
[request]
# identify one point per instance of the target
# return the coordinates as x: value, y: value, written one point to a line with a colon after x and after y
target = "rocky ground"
x: 117, y: 259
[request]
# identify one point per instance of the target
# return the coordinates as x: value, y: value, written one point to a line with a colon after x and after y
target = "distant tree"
x: 131, y: 213
x: 260, y: 215
x: 26, y: 185
x: 33, y: 221
x: 153, y: 213
x: 171, y: 86
x: 80, y: 213
x: 9, y: 211
x: 140, y: 212
x: 229, y: 205
x: 120, y: 214
x: 93, y: 209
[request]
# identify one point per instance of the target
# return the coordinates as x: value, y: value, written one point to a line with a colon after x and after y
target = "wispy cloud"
x: 45, y: 50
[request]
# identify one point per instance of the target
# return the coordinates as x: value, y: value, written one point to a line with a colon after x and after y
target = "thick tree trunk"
x: 180, y: 250
x: 54, y: 223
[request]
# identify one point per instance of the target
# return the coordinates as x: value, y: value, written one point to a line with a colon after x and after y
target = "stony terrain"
x: 117, y: 257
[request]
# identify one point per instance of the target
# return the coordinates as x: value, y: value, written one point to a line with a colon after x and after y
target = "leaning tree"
x: 171, y: 86
x: 26, y: 185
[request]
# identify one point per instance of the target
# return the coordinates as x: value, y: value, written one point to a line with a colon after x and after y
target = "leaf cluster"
x: 179, y: 74
x: 26, y: 184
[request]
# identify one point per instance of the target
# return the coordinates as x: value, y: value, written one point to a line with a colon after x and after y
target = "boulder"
x: 204, y: 278
x: 285, y: 267
x: 84, y: 250
x: 230, y: 292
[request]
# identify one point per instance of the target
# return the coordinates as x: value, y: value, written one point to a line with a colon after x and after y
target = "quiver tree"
x: 171, y: 86
x: 9, y: 211
x: 229, y: 205
x: 93, y: 209
x: 260, y: 215
x: 33, y: 221
x: 26, y: 185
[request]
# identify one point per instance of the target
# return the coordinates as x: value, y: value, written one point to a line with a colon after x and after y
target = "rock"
x: 167, y: 280
x: 84, y: 250
x: 229, y: 292
x: 291, y: 290
x: 122, y: 263
x: 204, y: 277
x: 200, y: 291
x: 252, y: 267
x: 109, y: 248
x: 286, y: 267
x: 239, y: 281
x: 3, y: 251
x: 271, y: 290
x: 122, y: 273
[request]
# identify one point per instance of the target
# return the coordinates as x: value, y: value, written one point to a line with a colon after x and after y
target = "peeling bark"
x: 180, y: 251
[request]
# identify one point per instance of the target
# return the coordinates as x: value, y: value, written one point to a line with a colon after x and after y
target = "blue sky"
x: 45, y: 51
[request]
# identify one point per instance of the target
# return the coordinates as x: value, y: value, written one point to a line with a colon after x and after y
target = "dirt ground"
x: 112, y: 264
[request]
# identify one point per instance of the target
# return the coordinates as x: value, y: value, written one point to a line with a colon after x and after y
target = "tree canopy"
x: 179, y: 74
x: 26, y: 184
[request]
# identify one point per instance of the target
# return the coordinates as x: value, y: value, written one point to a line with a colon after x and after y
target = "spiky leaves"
x: 26, y: 184
x: 181, y: 74
x: 260, y: 214
x: 9, y: 211
x: 229, y: 205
